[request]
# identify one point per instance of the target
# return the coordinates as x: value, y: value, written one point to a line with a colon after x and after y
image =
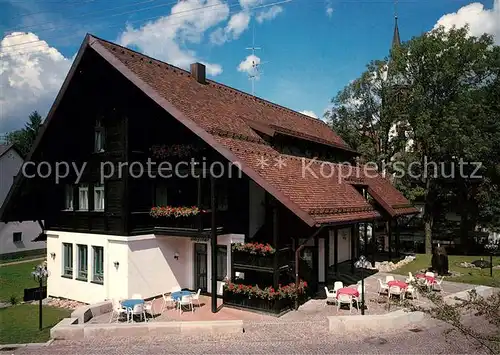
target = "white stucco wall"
x: 344, y: 245
x: 146, y: 265
x: 257, y: 209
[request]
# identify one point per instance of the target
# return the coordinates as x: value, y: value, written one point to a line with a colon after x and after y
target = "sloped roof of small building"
x: 226, y: 119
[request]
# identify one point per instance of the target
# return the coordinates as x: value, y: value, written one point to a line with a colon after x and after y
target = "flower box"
x: 275, y: 306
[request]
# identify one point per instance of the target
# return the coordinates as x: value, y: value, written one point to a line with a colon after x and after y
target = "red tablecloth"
x: 428, y: 278
x: 398, y: 283
x: 348, y: 291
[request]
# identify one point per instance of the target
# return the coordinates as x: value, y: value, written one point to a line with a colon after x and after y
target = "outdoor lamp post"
x: 492, y: 247
x: 361, y: 264
x: 40, y: 274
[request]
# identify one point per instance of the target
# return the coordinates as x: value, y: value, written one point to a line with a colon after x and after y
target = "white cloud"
x: 166, y: 37
x: 249, y: 64
x: 309, y: 113
x: 269, y: 14
x: 479, y: 19
x: 329, y: 8
x: 249, y: 3
x: 29, y: 79
x: 237, y: 24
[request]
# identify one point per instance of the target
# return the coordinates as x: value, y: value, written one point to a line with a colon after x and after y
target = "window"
x: 161, y: 195
x: 82, y: 262
x: 67, y: 260
x: 221, y: 262
x: 68, y: 197
x: 99, y: 197
x: 83, y: 197
x: 99, y: 137
x: 17, y: 237
x: 98, y: 269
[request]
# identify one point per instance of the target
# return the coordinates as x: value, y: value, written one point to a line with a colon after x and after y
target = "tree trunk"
x: 428, y: 234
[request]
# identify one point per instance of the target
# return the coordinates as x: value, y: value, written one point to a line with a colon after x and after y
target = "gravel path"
x: 273, y: 338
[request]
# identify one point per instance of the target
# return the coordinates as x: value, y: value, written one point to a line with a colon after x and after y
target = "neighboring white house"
x: 14, y: 237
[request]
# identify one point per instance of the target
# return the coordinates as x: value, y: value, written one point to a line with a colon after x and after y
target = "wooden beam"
x: 125, y: 177
x: 214, y: 243
x: 396, y: 227
x: 353, y: 247
x: 336, y: 249
x: 365, y: 251
x: 327, y: 255
x: 199, y: 202
x: 389, y: 237
x: 275, y: 244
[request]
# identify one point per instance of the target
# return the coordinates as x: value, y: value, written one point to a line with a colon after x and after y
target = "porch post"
x: 374, y: 243
x: 336, y: 249
x: 353, y: 256
x: 199, y: 199
x: 327, y: 255
x: 389, y: 237
x: 365, y: 236
x: 214, y: 244
x: 396, y: 227
x: 275, y: 244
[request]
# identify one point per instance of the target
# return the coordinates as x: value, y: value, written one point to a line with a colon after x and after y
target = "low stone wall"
x: 70, y: 329
x: 87, y: 312
x: 379, y: 322
x: 483, y: 291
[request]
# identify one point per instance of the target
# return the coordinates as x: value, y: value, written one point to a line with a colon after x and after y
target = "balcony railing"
x: 246, y: 260
x: 200, y: 222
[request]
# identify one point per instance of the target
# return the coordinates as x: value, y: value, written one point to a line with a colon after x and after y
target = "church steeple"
x: 396, y: 40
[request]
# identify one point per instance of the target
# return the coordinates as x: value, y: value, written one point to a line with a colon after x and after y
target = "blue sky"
x: 308, y: 52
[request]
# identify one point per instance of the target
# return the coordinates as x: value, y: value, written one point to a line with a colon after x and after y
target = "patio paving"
x: 312, y: 311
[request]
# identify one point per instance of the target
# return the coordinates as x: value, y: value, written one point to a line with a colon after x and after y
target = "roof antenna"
x: 255, y: 73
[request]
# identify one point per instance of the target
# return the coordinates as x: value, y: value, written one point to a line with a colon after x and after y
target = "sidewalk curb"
x: 12, y: 347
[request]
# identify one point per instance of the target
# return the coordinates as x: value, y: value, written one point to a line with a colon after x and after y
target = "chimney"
x: 198, y: 71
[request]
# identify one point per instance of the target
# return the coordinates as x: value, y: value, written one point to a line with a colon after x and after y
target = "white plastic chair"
x: 138, y: 310
x: 117, y: 310
x: 337, y: 286
x: 382, y: 287
x: 410, y: 278
x: 438, y: 283
x: 196, y: 297
x: 149, y: 308
x: 344, y: 299
x: 429, y: 273
x: 185, y: 301
x: 389, y: 278
x: 412, y: 291
x: 330, y: 296
x: 167, y: 300
x: 396, y: 290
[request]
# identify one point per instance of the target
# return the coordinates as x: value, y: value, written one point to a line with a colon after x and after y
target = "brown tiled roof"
x: 224, y: 117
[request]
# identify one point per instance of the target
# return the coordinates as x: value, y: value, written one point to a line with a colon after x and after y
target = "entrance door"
x: 308, y: 268
x: 200, y: 266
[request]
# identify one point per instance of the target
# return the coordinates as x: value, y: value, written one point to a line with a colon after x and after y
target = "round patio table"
x: 430, y: 279
x: 400, y: 284
x: 348, y: 291
x: 130, y: 303
x: 176, y: 296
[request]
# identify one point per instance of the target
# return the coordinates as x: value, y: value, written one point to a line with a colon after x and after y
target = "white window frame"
x: 68, y: 198
x: 82, y: 275
x: 97, y: 278
x: 66, y: 261
x: 85, y: 204
x: 99, y: 188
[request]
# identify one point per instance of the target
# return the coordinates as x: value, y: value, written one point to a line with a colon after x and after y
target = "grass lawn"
x: 19, y: 324
x: 15, y: 278
x: 470, y: 276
